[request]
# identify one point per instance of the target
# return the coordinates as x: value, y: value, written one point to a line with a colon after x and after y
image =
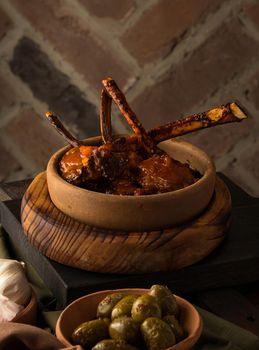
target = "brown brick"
x: 8, y: 163
x: 89, y: 57
x: 252, y: 12
x: 34, y: 136
x: 116, y: 9
x: 53, y: 87
x: 225, y: 54
x: 7, y: 96
x: 162, y: 26
x: 252, y: 90
x: 5, y: 23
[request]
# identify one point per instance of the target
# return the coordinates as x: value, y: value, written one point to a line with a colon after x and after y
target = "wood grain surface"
x: 75, y: 244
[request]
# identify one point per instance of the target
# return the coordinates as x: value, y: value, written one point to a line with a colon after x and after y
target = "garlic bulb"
x: 13, y: 282
x: 8, y: 309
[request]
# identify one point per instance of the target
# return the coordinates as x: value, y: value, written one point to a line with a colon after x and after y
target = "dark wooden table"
x: 225, y: 283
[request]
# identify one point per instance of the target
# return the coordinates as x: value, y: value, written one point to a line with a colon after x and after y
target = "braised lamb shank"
x: 134, y: 165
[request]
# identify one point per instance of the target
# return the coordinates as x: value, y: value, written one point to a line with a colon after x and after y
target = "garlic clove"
x: 13, y: 282
x: 8, y: 309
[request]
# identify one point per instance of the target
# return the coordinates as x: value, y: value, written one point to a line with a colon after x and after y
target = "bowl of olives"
x: 130, y: 319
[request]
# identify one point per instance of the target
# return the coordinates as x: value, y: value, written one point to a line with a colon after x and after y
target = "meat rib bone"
x: 120, y: 100
x: 105, y: 117
x: 54, y: 120
x: 228, y: 113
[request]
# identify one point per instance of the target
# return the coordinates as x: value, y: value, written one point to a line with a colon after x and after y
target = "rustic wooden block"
x: 75, y: 244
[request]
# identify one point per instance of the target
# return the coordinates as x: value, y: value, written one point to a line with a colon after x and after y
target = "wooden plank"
x: 235, y: 262
x: 239, y: 196
x: 14, y: 190
x: 68, y: 283
x: 231, y: 305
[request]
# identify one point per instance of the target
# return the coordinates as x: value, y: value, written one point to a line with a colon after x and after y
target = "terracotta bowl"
x: 84, y: 309
x: 140, y: 213
x: 29, y: 313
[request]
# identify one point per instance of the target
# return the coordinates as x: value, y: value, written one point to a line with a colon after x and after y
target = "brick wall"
x: 170, y: 57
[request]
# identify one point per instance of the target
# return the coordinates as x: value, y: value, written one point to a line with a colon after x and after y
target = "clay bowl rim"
x: 53, y: 162
x: 186, y: 343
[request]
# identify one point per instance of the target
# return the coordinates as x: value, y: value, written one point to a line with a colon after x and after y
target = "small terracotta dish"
x: 84, y: 309
x: 28, y: 315
x: 140, y: 213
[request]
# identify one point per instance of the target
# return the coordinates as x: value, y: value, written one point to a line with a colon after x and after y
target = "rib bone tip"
x: 49, y: 114
x: 106, y: 80
x: 237, y: 111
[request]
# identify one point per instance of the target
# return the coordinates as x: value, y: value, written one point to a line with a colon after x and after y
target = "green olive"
x: 111, y: 344
x: 105, y: 307
x: 125, y: 328
x: 89, y: 333
x: 165, y: 299
x: 123, y: 307
x: 106, y: 320
x: 143, y: 307
x: 157, y: 334
x: 172, y: 321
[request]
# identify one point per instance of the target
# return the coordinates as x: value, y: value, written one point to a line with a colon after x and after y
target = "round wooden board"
x: 72, y: 243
